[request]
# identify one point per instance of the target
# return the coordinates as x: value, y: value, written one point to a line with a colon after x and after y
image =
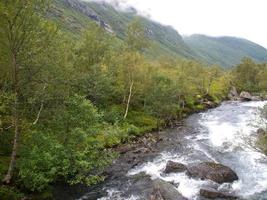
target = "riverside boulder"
x: 214, y: 194
x: 212, y: 171
x: 174, y: 167
x: 246, y: 96
x: 233, y: 95
x: 163, y: 190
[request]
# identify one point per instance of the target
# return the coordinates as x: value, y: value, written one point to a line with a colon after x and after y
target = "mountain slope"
x: 225, y: 51
x: 74, y: 15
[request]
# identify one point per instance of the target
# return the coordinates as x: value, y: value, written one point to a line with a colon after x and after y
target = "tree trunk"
x: 9, y: 174
x: 8, y: 177
x: 128, y: 100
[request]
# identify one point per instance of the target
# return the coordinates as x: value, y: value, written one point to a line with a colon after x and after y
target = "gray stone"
x: 212, y: 171
x: 245, y: 96
x: 214, y: 194
x: 174, y: 167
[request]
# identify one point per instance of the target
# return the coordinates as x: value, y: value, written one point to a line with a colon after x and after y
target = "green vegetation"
x: 225, y: 51
x: 68, y: 96
x: 166, y: 41
x: 250, y: 76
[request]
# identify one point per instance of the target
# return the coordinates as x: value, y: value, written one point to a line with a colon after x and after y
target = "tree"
x: 92, y: 57
x: 137, y: 41
x: 20, y: 30
x: 262, y: 78
x: 245, y: 75
x: 65, y: 147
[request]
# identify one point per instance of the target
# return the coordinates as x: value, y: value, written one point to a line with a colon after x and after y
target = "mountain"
x: 225, y: 51
x: 74, y: 15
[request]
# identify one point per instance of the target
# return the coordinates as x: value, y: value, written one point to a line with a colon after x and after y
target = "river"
x: 226, y: 134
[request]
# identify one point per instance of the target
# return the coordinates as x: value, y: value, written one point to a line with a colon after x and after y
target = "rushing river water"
x: 227, y: 135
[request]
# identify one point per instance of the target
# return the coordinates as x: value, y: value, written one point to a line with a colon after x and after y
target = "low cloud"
x: 123, y: 5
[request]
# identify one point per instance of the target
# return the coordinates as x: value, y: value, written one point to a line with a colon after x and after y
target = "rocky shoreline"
x: 145, y: 149
x: 245, y: 96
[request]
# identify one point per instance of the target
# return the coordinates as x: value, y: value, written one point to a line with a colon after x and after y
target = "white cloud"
x: 241, y: 18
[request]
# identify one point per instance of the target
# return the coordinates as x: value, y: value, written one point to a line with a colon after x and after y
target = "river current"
x: 227, y: 135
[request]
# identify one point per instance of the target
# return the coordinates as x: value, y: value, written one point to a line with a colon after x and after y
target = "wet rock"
x: 174, y: 167
x: 164, y: 191
x: 212, y: 171
x: 256, y: 98
x: 157, y: 189
x: 156, y: 195
x: 209, y: 104
x: 245, y: 96
x: 233, y: 95
x: 261, y: 131
x: 214, y: 194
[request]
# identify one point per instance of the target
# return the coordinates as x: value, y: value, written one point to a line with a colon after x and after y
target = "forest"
x: 66, y: 101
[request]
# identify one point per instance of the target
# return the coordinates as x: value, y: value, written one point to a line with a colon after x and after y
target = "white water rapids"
x: 226, y: 135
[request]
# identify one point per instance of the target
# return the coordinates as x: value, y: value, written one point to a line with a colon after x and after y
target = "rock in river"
x: 214, y: 194
x: 246, y: 96
x: 174, y: 167
x: 213, y: 171
x: 164, y: 191
x: 233, y: 95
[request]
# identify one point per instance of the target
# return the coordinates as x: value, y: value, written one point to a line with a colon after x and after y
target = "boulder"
x: 164, y: 191
x: 209, y: 104
x: 214, y: 194
x: 212, y: 171
x: 256, y: 98
x: 245, y: 96
x: 233, y: 95
x: 156, y: 195
x: 261, y: 131
x: 174, y: 167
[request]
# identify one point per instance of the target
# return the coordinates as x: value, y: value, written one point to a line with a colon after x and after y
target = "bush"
x: 142, y: 120
x: 8, y: 193
x: 114, y: 114
x: 67, y: 147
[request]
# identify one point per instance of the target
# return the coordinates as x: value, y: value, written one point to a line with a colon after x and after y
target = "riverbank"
x: 139, y: 135
x: 200, y: 138
x: 142, y: 148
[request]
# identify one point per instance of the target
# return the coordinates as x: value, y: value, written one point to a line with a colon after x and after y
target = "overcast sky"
x: 241, y: 18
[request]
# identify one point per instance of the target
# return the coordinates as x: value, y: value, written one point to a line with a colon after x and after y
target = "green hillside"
x: 225, y: 51
x: 73, y: 15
